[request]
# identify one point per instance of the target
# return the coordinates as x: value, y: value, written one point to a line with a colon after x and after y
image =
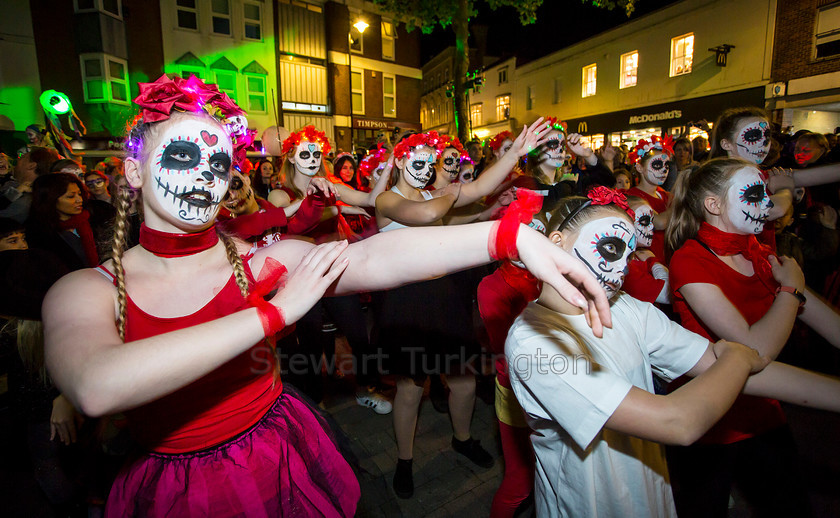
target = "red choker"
x: 164, y: 244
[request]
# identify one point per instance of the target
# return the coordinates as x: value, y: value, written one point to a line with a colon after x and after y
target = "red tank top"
x: 214, y: 408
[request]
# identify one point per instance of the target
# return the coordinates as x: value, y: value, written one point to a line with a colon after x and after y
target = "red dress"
x: 232, y: 443
x: 692, y: 263
x: 658, y: 204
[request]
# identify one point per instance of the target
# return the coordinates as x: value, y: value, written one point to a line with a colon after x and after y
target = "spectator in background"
x: 832, y: 140
x: 5, y: 168
x: 261, y: 178
x: 15, y: 195
x: 12, y: 236
x: 65, y: 165
x: 97, y: 183
x: 38, y: 138
x: 700, y: 148
x: 683, y: 161
x: 623, y: 180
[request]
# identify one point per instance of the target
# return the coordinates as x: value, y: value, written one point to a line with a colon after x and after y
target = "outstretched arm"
x: 351, y: 196
x: 417, y: 213
x: 819, y: 175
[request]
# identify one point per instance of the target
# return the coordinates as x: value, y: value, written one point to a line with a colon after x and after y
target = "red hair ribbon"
x: 643, y: 147
x: 309, y: 134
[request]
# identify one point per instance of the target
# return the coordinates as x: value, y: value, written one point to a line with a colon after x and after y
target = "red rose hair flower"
x: 557, y: 124
x: 496, y: 142
x: 454, y: 143
x: 308, y: 134
x: 643, y: 147
x: 600, y: 195
x: 432, y: 139
x: 370, y: 162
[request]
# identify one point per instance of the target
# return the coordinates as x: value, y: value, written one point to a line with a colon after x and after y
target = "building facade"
x: 805, y: 92
x: 490, y: 105
x: 658, y: 73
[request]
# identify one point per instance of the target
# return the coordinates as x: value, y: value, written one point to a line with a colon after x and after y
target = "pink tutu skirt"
x: 285, y: 465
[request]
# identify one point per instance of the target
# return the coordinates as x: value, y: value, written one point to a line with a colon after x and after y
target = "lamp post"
x: 360, y: 26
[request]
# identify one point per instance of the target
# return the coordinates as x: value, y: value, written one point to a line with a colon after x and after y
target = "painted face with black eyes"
x: 644, y: 225
x: 307, y: 158
x: 451, y: 163
x: 747, y: 201
x: 504, y: 148
x: 752, y: 139
x: 467, y: 173
x: 656, y: 168
x: 553, y: 151
x: 604, y: 245
x: 191, y: 170
x: 419, y: 166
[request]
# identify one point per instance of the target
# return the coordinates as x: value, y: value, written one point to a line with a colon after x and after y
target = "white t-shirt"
x: 568, y: 394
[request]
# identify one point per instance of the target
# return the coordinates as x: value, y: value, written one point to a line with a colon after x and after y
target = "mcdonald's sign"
x: 582, y: 128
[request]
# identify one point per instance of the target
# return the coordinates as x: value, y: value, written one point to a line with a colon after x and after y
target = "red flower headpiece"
x: 496, y: 142
x: 557, y: 124
x: 600, y: 195
x: 431, y: 139
x: 643, y: 147
x: 453, y: 142
x: 370, y: 162
x: 308, y: 134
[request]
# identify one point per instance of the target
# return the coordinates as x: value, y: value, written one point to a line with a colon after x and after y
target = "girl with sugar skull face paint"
x: 727, y: 284
x: 652, y: 162
x: 616, y: 384
x: 647, y: 276
x: 182, y: 333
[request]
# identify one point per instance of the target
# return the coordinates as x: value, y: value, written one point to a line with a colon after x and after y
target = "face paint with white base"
x: 604, y: 245
x: 753, y: 140
x: 191, y: 170
x: 418, y: 167
x: 307, y: 158
x: 656, y: 168
x: 504, y: 148
x: 450, y: 163
x: 467, y: 173
x: 747, y: 201
x: 644, y: 225
x: 553, y: 151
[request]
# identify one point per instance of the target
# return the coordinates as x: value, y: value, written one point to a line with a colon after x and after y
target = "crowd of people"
x: 167, y: 312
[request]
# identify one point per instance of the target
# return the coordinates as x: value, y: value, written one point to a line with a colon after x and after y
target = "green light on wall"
x: 55, y: 102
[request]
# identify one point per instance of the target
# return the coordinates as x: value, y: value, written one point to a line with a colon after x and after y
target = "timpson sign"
x: 374, y: 124
x: 653, y: 117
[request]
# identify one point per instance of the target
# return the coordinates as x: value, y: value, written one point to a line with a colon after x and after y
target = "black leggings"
x: 763, y: 467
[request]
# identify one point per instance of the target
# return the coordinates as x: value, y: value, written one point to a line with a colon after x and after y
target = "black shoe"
x: 404, y: 479
x: 472, y: 450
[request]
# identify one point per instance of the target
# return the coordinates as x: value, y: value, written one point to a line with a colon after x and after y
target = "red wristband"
x: 271, y: 318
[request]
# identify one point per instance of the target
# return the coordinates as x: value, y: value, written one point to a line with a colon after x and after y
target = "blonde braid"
x: 235, y: 261
x: 117, y: 249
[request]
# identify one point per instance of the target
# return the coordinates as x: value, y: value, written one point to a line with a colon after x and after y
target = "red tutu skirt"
x: 285, y: 465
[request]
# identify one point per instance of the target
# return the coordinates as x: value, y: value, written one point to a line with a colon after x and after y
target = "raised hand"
x: 577, y: 147
x: 531, y: 137
x: 779, y: 179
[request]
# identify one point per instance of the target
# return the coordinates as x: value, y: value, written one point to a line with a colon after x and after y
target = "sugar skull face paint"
x: 752, y: 138
x: 644, y: 225
x: 747, y: 201
x: 307, y: 158
x: 553, y: 151
x: 467, y: 173
x: 237, y: 125
x: 451, y: 163
x: 418, y: 167
x: 191, y: 170
x: 504, y: 148
x: 656, y: 168
x: 604, y: 245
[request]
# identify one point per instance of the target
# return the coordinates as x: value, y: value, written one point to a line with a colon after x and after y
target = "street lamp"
x: 360, y: 26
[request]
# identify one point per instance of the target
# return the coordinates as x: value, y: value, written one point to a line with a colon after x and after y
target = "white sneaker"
x: 375, y: 401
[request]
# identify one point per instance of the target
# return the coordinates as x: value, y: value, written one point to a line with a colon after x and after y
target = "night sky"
x: 560, y: 23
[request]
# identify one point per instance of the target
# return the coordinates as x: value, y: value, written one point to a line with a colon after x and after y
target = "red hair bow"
x: 601, y: 195
x: 157, y: 100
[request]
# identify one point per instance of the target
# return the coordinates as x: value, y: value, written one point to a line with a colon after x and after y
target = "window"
x: 827, y: 38
x: 475, y: 114
x: 682, y: 54
x: 256, y: 93
x: 221, y: 16
x: 589, y: 80
x: 226, y: 81
x: 388, y: 35
x: 357, y: 44
x: 389, y: 95
x: 187, y: 14
x: 105, y: 78
x: 530, y: 97
x: 503, y: 107
x: 629, y: 69
x: 503, y: 75
x: 112, y: 7
x: 252, y: 16
x: 357, y: 89
x: 557, y: 90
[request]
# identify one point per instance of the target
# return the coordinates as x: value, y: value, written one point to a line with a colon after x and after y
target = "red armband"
x: 502, y: 241
x: 272, y: 277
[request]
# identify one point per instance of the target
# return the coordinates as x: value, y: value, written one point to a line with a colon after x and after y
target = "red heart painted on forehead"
x: 210, y: 140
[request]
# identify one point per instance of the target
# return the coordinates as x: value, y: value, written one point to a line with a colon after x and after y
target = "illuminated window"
x: 256, y: 93
x: 357, y: 89
x: 252, y: 16
x: 682, y: 54
x: 389, y: 95
x: 503, y: 107
x: 629, y: 69
x: 187, y: 14
x: 388, y: 35
x: 476, y: 114
x: 221, y: 16
x: 105, y: 78
x: 589, y: 80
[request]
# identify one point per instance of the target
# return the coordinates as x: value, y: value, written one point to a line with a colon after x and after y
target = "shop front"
x: 674, y: 118
x: 368, y: 132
